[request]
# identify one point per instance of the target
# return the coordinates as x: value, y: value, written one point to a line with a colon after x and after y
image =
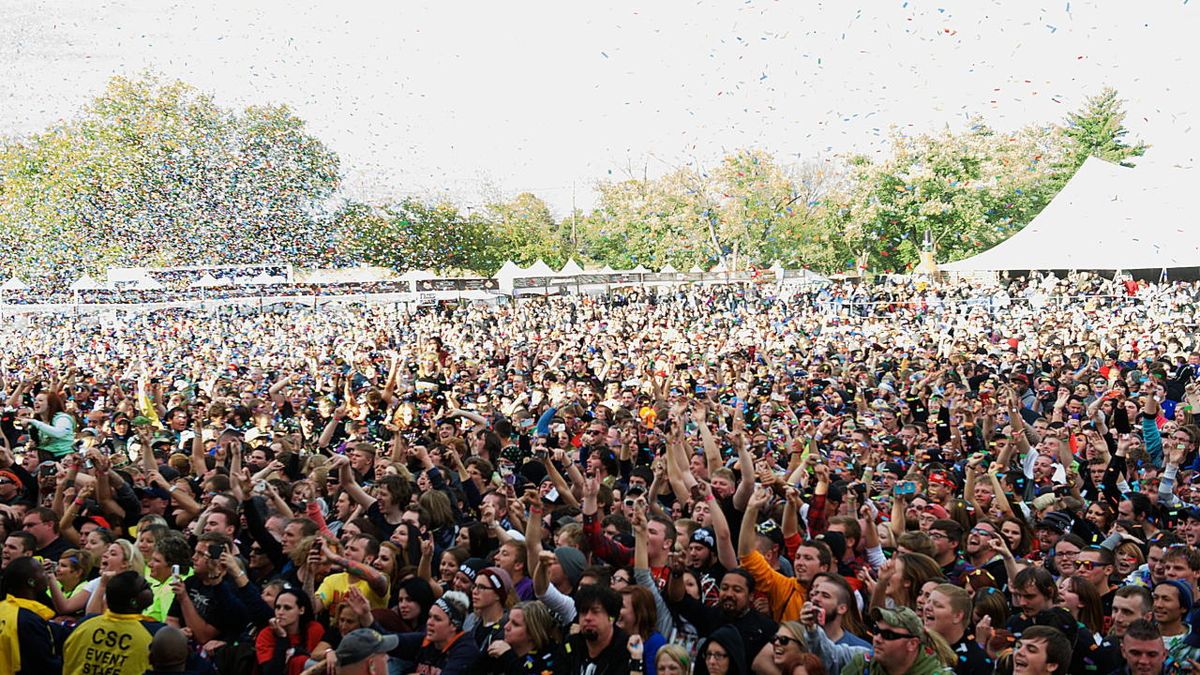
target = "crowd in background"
x: 902, y: 477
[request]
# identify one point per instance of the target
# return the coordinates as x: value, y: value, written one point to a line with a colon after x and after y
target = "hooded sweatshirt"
x: 728, y: 637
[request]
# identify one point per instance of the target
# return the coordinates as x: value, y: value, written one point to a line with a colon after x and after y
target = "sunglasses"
x: 891, y: 635
x: 783, y: 640
x: 1088, y: 564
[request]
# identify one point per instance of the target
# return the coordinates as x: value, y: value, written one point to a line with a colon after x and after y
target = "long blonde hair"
x: 133, y: 556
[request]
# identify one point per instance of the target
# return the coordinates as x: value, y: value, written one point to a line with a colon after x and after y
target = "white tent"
x: 148, y: 284
x: 13, y: 284
x: 206, y: 281
x: 508, y: 270
x: 668, y: 269
x: 696, y: 270
x: 571, y: 269
x: 538, y: 269
x: 1107, y: 217
x: 640, y: 269
x: 86, y: 283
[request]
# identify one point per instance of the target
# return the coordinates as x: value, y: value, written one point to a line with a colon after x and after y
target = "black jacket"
x: 573, y: 658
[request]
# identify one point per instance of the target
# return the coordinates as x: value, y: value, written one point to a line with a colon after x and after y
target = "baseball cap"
x: 362, y: 643
x: 900, y: 617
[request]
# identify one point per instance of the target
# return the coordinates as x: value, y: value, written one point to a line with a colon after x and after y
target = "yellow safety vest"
x: 109, y: 644
x: 10, y: 646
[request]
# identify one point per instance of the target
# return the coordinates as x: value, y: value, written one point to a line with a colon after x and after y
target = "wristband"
x: 172, y: 489
x: 709, y: 497
x: 78, y: 501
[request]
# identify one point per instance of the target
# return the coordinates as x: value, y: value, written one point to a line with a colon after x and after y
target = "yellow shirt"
x: 335, y: 586
x: 112, y: 644
x: 10, y: 648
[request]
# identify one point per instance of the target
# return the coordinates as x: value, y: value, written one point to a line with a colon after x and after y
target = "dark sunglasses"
x: 891, y: 635
x: 783, y: 640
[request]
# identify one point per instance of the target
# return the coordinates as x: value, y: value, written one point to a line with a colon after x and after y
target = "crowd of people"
x: 897, y: 478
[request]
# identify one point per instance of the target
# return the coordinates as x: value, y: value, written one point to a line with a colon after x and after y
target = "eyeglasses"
x: 481, y: 587
x: 1088, y: 565
x: 934, y: 534
x: 891, y: 635
x: 715, y: 656
x: 783, y: 640
x: 982, y: 532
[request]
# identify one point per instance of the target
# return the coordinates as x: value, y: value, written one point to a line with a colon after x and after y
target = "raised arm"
x: 725, y: 551
x: 711, y: 452
x: 747, y: 534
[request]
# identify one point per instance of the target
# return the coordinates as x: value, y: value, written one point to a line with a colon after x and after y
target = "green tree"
x: 155, y: 172
x: 524, y: 231
x: 768, y: 212
x: 411, y: 235
x: 968, y: 190
x: 652, y: 222
x: 1098, y: 130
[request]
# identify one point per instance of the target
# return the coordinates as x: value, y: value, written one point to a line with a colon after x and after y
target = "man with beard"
x: 734, y: 607
x: 785, y: 594
x: 702, y: 561
x: 599, y: 646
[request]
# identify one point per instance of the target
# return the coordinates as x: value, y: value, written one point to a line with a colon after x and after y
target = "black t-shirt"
x: 612, y: 660
x: 972, y: 659
x: 217, y: 605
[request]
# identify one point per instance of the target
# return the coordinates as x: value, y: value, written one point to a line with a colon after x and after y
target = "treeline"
x: 155, y: 172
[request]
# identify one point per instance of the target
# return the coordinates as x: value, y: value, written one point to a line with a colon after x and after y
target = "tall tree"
x: 155, y: 172
x: 412, y: 235
x: 1098, y: 130
x: 525, y: 232
x: 968, y: 190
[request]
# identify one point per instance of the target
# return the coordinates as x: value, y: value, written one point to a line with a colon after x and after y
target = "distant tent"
x: 86, y: 283
x: 640, y: 269
x: 668, y: 269
x: 696, y: 270
x: 14, y: 284
x: 206, y: 281
x: 571, y: 269
x: 148, y: 284
x: 538, y: 269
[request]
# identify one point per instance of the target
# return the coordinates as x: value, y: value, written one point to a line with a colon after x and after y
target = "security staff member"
x: 116, y: 642
x: 27, y: 640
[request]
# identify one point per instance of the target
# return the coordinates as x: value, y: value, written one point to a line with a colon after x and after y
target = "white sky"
x: 447, y: 97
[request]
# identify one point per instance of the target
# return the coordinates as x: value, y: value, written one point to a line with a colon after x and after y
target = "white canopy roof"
x: 640, y: 269
x: 148, y: 284
x: 1108, y: 217
x: 571, y: 269
x: 86, y: 283
x: 13, y: 284
x: 668, y: 269
x: 508, y: 270
x: 209, y: 281
x: 417, y: 275
x: 538, y: 269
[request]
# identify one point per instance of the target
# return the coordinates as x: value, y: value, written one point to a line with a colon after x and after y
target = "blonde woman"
x: 120, y: 556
